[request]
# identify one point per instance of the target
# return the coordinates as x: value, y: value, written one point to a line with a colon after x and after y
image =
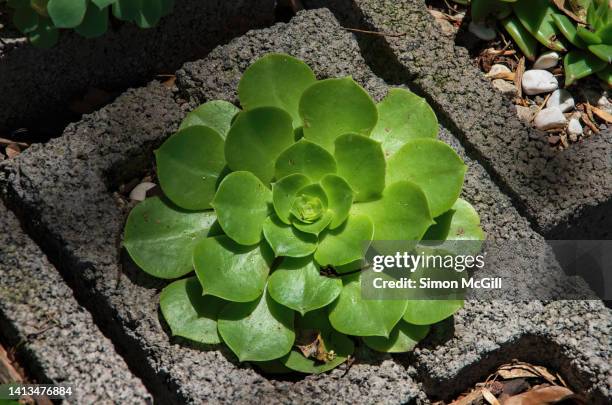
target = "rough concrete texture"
x: 40, y: 83
x: 64, y: 189
x: 66, y: 197
x: 571, y: 337
x: 42, y: 320
x: 564, y: 194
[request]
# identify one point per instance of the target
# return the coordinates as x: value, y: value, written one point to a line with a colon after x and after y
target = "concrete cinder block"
x: 65, y: 188
x: 57, y: 338
x: 565, y: 195
x: 41, y: 83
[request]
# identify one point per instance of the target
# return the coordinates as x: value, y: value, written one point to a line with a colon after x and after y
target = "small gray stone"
x: 550, y: 118
x: 538, y: 81
x: 524, y: 113
x: 561, y: 99
x: 482, y: 31
x: 507, y: 88
x: 547, y: 60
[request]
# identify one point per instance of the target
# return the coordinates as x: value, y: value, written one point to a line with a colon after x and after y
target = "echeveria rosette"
x: 273, y: 206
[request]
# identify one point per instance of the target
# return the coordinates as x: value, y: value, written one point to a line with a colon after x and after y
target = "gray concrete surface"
x: 41, y: 83
x: 55, y: 336
x: 64, y: 189
x: 564, y: 194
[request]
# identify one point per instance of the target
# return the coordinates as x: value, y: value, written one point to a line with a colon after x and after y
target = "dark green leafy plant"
x: 41, y: 20
x: 272, y: 204
x: 582, y: 28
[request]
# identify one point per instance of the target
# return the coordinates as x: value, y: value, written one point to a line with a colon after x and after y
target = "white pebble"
x: 537, y: 81
x: 604, y: 104
x: 547, y: 60
x: 139, y: 193
x: 562, y: 99
x: 497, y: 69
x: 550, y: 118
x: 482, y: 31
x: 574, y: 127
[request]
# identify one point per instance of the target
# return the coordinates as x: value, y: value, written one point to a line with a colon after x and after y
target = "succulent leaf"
x: 276, y: 80
x: 215, y: 114
x: 403, y: 116
x: 340, y: 198
x: 334, y: 107
x: 231, y: 271
x: 45, y: 35
x: 148, y: 13
x: 25, y: 19
x: 588, y: 36
x: 537, y: 17
x: 602, y: 51
x: 67, y: 13
x: 160, y: 237
x: 579, y: 64
x: 186, y: 178
x: 241, y: 205
x: 260, y: 330
x: 523, y: 38
x: 284, y: 193
x: 402, y: 213
x: 307, y: 158
x: 286, y: 240
x: 351, y: 314
x: 188, y: 313
x: 297, y: 284
x: 95, y: 22
x: 403, y: 338
x: 361, y: 162
x: 316, y: 227
x: 256, y: 139
x: 345, y: 244
x: 569, y: 30
x: 434, y: 166
x: 428, y: 312
x: 606, y: 75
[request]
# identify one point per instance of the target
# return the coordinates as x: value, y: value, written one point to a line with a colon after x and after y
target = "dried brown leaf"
x: 526, y: 370
x: 4, y: 141
x: 316, y: 349
x: 561, y: 6
x: 489, y: 397
x: 12, y: 150
x: 589, y: 123
x: 169, y: 82
x: 604, y: 115
x: 473, y: 398
x: 518, y: 76
x: 503, y: 75
x: 541, y: 396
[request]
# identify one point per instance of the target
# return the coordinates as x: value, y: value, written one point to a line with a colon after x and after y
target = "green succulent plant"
x: 582, y: 28
x: 41, y: 20
x: 272, y: 205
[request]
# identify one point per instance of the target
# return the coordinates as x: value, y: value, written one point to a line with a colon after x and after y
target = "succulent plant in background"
x: 582, y: 28
x: 272, y: 205
x: 41, y: 20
